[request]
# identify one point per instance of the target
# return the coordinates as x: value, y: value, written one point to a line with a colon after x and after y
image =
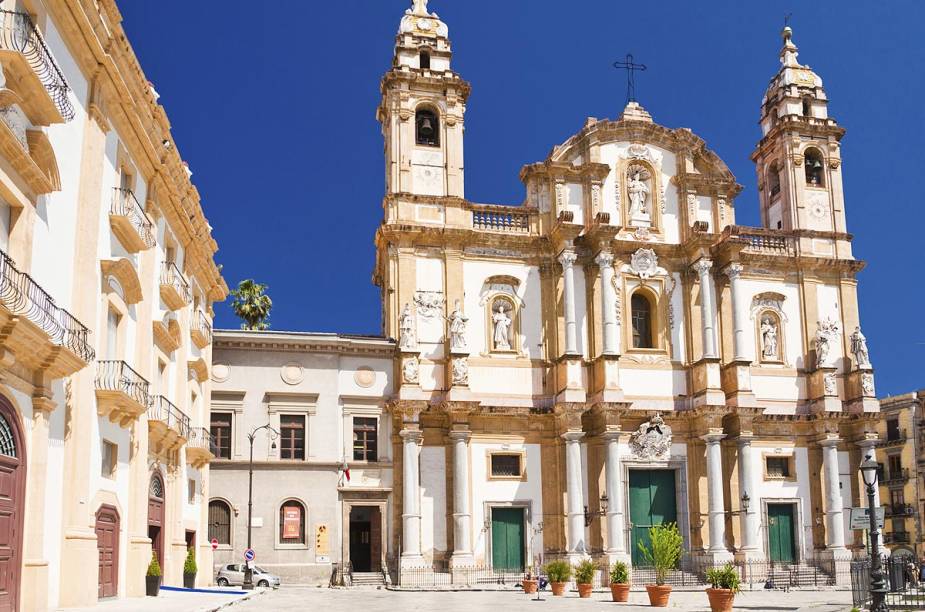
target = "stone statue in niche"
x: 406, y: 340
x: 769, y: 334
x: 638, y: 191
x: 457, y: 322
x: 501, y: 325
x: 826, y: 333
x: 859, y: 349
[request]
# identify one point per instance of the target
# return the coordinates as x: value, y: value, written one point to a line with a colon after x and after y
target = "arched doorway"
x: 156, y: 516
x: 107, y: 542
x: 12, y: 497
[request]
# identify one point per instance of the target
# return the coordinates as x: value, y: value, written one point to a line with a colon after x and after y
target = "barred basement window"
x: 506, y: 465
x: 778, y: 467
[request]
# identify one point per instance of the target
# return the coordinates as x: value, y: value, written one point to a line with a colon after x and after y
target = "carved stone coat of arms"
x: 652, y: 440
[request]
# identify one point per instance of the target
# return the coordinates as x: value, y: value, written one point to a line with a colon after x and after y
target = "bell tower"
x: 422, y: 109
x: 798, y: 158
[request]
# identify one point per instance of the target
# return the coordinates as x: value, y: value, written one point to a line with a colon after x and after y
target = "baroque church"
x: 617, y: 352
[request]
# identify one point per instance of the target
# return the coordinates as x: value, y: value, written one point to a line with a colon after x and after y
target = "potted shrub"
x: 153, y: 577
x: 663, y: 554
x: 530, y: 582
x: 584, y: 576
x: 189, y: 569
x: 620, y: 581
x: 558, y: 573
x: 724, y: 584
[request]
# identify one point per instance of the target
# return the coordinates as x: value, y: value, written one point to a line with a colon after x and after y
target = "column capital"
x: 613, y: 433
x: 567, y: 258
x: 830, y: 440
x: 745, y: 439
x: 604, y: 259
x: 702, y: 266
x: 411, y: 435
x: 460, y: 435
x: 573, y: 436
x: 712, y: 437
x: 733, y: 271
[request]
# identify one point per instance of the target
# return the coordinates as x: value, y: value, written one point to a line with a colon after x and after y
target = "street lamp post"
x: 273, y: 434
x: 589, y: 515
x: 868, y: 470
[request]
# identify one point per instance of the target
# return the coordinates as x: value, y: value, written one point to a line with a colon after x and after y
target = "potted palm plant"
x: 620, y: 581
x: 724, y: 584
x: 530, y: 582
x: 584, y: 576
x: 558, y: 573
x: 663, y: 553
x: 189, y: 569
x: 153, y: 577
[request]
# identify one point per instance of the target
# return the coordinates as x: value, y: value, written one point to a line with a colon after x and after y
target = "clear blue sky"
x: 273, y: 105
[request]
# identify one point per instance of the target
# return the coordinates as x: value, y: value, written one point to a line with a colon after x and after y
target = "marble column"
x: 411, y: 511
x: 462, y: 518
x: 568, y: 258
x: 575, y: 511
x: 739, y: 313
x: 834, y: 513
x: 604, y: 260
x: 615, y: 548
x: 750, y: 521
x: 716, y: 506
x: 707, y: 307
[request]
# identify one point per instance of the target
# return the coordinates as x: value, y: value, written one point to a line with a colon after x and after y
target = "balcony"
x: 31, y: 71
x: 894, y: 438
x: 501, y: 219
x: 896, y: 476
x: 896, y: 537
x: 131, y: 225
x: 201, y: 329
x: 898, y: 510
x: 121, y: 393
x: 199, y: 447
x: 168, y: 427
x: 175, y: 290
x: 40, y: 335
x: 761, y: 241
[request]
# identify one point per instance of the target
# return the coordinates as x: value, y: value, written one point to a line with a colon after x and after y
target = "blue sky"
x: 273, y: 106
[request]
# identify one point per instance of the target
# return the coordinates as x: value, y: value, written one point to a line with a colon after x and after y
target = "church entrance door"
x: 653, y: 501
x: 780, y: 533
x: 507, y: 538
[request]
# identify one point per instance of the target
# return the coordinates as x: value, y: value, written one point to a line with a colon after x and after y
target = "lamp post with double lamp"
x: 868, y: 469
x: 589, y: 515
x: 273, y: 434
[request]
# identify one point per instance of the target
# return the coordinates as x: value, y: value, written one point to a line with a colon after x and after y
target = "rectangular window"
x: 897, y: 498
x: 291, y: 523
x: 110, y: 459
x: 896, y: 466
x: 112, y: 334
x: 221, y: 434
x: 778, y: 467
x: 292, y: 436
x: 191, y: 491
x: 892, y: 429
x: 506, y: 465
x: 365, y: 447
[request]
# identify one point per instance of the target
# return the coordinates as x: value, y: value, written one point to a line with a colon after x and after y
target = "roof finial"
x: 419, y: 7
x: 788, y: 55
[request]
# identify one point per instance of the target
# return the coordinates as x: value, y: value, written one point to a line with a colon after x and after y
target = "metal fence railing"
x: 905, y: 587
x: 124, y: 204
x: 162, y: 409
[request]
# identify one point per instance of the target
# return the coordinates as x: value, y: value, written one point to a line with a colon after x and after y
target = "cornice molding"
x: 303, y: 343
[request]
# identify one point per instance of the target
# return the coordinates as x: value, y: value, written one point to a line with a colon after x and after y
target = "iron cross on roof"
x: 631, y: 67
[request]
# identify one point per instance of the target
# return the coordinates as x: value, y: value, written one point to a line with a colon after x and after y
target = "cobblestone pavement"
x: 378, y: 600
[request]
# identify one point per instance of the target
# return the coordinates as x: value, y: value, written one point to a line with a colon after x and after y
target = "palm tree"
x: 252, y: 304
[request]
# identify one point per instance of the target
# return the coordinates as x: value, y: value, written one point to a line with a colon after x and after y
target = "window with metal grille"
x: 778, y: 467
x: 506, y: 465
x: 365, y: 447
x: 642, y: 321
x: 292, y: 523
x: 291, y: 436
x: 219, y: 521
x: 221, y: 434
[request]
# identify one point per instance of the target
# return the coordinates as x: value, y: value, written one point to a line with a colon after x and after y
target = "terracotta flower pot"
x: 658, y: 595
x: 721, y: 599
x: 620, y: 591
x: 558, y: 588
x: 584, y: 590
x: 530, y: 586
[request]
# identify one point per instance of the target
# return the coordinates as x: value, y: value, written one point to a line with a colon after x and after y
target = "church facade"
x: 617, y: 352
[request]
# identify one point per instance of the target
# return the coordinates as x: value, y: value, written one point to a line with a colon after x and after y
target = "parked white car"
x: 233, y: 575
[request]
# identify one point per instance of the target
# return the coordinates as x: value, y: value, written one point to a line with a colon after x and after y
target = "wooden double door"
x: 507, y: 538
x: 12, y: 499
x: 781, y: 533
x: 653, y: 501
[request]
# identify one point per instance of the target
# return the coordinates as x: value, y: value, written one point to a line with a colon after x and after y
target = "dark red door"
x: 156, y: 516
x: 12, y: 494
x: 107, y: 541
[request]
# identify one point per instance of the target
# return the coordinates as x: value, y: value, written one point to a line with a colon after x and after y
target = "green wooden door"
x: 780, y: 533
x: 652, y: 502
x: 507, y: 538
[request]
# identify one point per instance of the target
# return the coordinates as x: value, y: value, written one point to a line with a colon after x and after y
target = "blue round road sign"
x: 249, y: 554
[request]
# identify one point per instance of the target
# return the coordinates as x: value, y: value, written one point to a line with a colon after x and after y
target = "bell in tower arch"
x: 426, y: 123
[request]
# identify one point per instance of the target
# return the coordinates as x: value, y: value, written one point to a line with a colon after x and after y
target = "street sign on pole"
x: 860, y: 518
x: 249, y: 554
x: 214, y: 543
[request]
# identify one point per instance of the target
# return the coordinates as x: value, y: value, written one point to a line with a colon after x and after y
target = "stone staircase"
x: 367, y: 579
x: 798, y: 575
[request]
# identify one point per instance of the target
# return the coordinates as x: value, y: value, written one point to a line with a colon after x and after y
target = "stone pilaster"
x: 34, y: 593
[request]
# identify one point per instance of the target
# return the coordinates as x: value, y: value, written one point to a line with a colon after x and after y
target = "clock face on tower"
x: 423, y: 24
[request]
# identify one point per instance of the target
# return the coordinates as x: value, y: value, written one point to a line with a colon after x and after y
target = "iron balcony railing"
x: 900, y: 475
x: 898, y: 510
x: 896, y: 537
x: 171, y: 275
x: 118, y: 376
x: 21, y: 295
x: 161, y: 409
x: 201, y: 324
x: 200, y: 437
x: 124, y: 204
x: 895, y: 437
x: 18, y: 33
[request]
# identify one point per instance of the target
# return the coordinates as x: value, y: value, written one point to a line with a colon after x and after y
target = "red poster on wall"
x: 292, y: 521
